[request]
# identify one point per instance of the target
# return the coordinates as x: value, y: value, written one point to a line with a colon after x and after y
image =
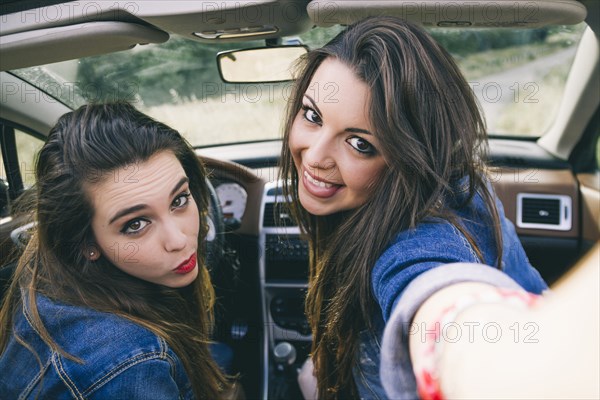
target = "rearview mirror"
x: 259, y: 65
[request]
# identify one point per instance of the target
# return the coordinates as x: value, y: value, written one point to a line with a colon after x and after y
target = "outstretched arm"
x: 478, y: 341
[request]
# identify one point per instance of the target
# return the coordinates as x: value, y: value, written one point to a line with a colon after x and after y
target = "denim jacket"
x: 119, y: 359
x: 418, y: 263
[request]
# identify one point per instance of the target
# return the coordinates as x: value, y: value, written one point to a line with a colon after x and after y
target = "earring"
x: 92, y: 253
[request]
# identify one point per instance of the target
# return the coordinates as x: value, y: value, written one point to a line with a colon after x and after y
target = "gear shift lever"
x: 285, y: 355
x: 285, y: 377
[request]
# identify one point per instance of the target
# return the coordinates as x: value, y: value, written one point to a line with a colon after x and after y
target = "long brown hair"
x: 431, y: 134
x: 83, y: 146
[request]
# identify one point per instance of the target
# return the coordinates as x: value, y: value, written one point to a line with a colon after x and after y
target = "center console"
x: 283, y: 269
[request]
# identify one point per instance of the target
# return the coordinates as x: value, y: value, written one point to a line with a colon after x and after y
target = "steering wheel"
x: 218, y: 265
x: 215, y: 237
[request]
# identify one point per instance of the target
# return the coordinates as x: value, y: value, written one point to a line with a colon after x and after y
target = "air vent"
x: 544, y: 211
x: 277, y: 214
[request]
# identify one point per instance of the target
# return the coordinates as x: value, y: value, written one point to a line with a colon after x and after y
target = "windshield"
x: 517, y: 75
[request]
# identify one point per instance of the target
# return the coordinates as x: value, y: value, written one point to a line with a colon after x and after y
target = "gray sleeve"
x: 396, y: 370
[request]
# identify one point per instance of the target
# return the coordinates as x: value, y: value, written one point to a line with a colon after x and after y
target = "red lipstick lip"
x: 186, y: 266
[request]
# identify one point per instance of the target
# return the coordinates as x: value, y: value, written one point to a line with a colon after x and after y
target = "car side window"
x: 27, y: 148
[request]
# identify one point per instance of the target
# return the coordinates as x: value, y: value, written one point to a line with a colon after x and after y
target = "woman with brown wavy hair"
x: 111, y: 297
x: 383, y: 160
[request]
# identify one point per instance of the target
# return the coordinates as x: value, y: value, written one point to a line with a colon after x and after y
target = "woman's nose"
x: 174, y: 237
x: 320, y: 153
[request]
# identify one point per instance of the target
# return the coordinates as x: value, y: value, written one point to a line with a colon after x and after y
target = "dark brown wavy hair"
x: 81, y: 147
x: 431, y: 134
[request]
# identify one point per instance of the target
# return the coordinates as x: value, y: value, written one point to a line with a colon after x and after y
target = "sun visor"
x: 44, y: 46
x: 439, y: 13
x: 227, y: 21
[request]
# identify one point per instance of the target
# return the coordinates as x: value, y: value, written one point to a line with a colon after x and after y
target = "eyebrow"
x: 351, y: 130
x: 139, y: 207
x: 358, y: 130
x: 313, y: 104
x: 181, y: 182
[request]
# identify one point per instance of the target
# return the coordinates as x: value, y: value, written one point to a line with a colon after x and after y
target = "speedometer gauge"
x: 233, y: 200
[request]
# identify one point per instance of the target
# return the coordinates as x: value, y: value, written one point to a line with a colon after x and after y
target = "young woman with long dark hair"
x: 111, y: 298
x: 383, y: 159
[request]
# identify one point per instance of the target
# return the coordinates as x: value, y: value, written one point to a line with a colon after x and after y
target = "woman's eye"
x: 134, y: 226
x: 311, y: 115
x: 361, y: 145
x: 181, y: 200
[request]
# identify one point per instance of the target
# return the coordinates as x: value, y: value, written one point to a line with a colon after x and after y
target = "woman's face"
x: 146, y: 222
x: 335, y: 153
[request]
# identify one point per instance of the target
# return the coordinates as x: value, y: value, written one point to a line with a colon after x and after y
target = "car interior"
x: 220, y: 72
